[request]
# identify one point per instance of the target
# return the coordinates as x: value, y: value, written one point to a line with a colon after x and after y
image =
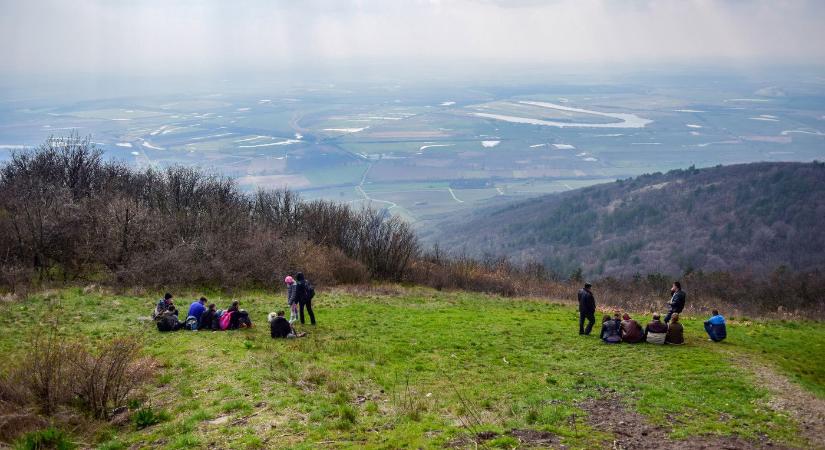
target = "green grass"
x: 795, y: 347
x: 408, y: 370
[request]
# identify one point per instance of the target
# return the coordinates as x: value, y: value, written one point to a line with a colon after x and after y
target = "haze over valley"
x: 424, y: 151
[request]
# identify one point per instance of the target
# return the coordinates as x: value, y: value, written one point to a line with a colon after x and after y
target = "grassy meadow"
x: 395, y: 367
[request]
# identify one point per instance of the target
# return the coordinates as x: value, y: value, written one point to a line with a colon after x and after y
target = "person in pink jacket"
x: 291, y: 300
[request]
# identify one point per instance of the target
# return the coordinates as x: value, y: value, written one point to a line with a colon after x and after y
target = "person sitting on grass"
x: 279, y: 327
x: 611, y: 331
x: 196, y: 310
x: 234, y: 319
x: 675, y: 331
x: 656, y: 331
x: 209, y: 319
x: 631, y: 330
x: 163, y: 305
x: 167, y: 320
x: 715, y: 327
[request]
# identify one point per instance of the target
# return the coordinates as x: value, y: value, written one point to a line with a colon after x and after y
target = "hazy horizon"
x: 424, y: 108
x: 210, y: 39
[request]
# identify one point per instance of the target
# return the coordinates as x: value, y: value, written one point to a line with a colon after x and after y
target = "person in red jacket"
x: 632, y: 332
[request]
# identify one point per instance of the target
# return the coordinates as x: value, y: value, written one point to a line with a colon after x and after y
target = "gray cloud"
x: 154, y: 37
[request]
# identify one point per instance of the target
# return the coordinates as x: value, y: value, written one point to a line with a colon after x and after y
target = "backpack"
x: 224, y: 320
x: 167, y: 323
x: 310, y: 292
x: 191, y: 323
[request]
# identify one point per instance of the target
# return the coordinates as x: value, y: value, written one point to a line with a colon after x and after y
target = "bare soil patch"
x: 527, y: 439
x: 806, y: 408
x: 631, y: 430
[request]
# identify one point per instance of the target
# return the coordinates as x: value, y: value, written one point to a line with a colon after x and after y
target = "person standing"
x: 291, y: 300
x: 587, y: 309
x: 304, y: 293
x: 677, y: 301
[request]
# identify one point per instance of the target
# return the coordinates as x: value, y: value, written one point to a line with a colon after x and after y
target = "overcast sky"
x: 157, y: 37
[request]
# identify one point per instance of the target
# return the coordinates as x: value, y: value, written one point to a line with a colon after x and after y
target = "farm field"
x: 340, y: 142
x: 337, y: 142
x: 402, y: 367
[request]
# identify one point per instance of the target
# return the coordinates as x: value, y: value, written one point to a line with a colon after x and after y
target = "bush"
x: 346, y: 270
x: 146, y: 417
x: 347, y: 416
x: 49, y: 438
x: 69, y: 214
x: 106, y: 377
x: 47, y: 374
x: 57, y: 375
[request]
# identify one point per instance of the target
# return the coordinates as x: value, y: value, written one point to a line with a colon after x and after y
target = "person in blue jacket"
x: 196, y: 310
x: 715, y: 327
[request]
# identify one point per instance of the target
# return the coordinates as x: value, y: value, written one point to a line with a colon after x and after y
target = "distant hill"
x: 749, y: 217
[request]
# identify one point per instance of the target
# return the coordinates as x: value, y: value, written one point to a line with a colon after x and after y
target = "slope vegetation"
x: 751, y: 217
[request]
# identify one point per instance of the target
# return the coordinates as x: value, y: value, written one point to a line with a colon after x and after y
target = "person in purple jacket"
x: 196, y: 310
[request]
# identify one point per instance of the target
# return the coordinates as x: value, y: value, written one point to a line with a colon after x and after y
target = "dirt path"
x: 807, y: 409
x: 632, y: 430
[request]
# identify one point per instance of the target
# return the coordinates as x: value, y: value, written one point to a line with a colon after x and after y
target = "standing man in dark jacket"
x: 587, y: 309
x: 302, y: 294
x: 677, y: 300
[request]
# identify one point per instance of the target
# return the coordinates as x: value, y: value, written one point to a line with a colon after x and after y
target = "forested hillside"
x: 752, y: 217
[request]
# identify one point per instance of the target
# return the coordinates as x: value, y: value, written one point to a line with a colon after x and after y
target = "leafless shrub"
x: 46, y: 373
x: 68, y: 215
x: 16, y: 421
x: 347, y: 270
x: 56, y: 374
x: 106, y: 378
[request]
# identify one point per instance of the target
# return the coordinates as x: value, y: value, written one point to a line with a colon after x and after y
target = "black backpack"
x: 310, y: 292
x: 167, y: 323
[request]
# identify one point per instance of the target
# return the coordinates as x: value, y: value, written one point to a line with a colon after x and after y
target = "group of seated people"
x: 206, y: 317
x: 200, y: 316
x: 622, y: 328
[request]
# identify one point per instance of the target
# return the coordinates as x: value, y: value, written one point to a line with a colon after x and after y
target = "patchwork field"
x: 323, y: 138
